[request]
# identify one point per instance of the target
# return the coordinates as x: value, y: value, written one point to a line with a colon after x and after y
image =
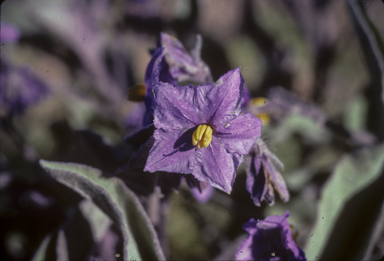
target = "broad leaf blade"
x: 350, y: 208
x: 117, y: 201
x: 373, y: 48
x: 42, y: 250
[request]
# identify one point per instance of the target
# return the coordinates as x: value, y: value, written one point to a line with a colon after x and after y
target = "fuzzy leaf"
x: 373, y: 49
x: 99, y: 222
x: 350, y: 208
x: 42, y: 251
x: 140, y: 241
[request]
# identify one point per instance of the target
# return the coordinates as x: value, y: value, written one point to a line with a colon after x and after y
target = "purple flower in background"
x: 19, y: 89
x: 269, y: 239
x: 201, y: 130
x: 134, y: 117
x: 172, y: 63
x: 203, y: 193
x: 184, y: 67
x: 262, y: 176
x: 282, y: 102
x: 9, y: 33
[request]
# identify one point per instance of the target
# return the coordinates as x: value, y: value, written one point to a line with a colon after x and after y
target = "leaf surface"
x: 140, y: 241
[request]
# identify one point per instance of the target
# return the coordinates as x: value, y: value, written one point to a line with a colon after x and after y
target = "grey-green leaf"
x: 117, y: 201
x: 350, y: 207
x: 41, y: 252
x: 373, y: 49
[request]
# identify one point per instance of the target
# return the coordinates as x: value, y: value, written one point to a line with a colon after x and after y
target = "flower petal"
x: 172, y: 152
x: 277, y: 180
x: 179, y: 107
x: 226, y: 98
x: 217, y: 166
x: 240, y: 134
x: 182, y: 65
x: 255, y: 183
x: 269, y: 239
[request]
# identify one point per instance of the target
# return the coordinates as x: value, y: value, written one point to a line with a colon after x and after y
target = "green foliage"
x: 350, y: 204
x: 140, y: 241
x: 373, y: 49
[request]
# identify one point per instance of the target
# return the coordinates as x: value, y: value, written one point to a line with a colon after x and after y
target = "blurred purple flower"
x: 36, y: 199
x: 269, y: 239
x: 203, y: 192
x: 9, y: 33
x: 262, y: 176
x: 201, y: 130
x: 134, y: 118
x: 19, y: 89
x: 282, y: 102
x: 172, y: 63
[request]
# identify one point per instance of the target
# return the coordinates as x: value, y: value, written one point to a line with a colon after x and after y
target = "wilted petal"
x: 255, y: 183
x: 277, y: 180
x: 262, y: 176
x: 183, y: 66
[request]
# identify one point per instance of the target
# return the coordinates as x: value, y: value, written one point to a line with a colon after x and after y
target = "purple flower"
x: 184, y: 67
x: 134, y: 116
x: 282, y: 102
x: 172, y: 63
x: 201, y: 130
x: 269, y: 239
x: 19, y: 89
x: 203, y: 192
x: 262, y: 176
x: 9, y: 33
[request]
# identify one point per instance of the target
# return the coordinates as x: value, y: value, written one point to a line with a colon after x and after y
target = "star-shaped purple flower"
x: 201, y: 130
x: 269, y: 240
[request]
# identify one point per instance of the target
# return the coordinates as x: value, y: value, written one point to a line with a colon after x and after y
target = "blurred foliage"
x: 89, y: 53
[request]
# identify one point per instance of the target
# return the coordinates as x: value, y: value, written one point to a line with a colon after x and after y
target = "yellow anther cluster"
x: 260, y: 102
x: 202, y: 136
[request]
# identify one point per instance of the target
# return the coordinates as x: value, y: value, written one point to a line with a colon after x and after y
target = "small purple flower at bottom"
x: 201, y: 130
x: 262, y: 176
x: 269, y: 240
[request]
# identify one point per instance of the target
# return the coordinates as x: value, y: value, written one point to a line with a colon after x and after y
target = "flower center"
x: 202, y: 136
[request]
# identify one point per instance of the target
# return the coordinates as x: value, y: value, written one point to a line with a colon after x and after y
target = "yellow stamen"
x: 202, y: 136
x: 260, y: 102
